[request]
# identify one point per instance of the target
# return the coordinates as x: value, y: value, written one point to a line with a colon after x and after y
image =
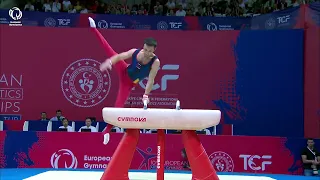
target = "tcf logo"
x: 175, y: 25
x: 283, y: 19
x: 164, y: 79
x: 64, y: 22
x: 66, y: 154
x: 248, y: 161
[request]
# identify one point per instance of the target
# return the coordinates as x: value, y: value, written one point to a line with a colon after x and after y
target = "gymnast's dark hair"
x: 151, y: 42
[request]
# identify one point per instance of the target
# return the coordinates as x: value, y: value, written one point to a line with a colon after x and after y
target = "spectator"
x: 44, y: 117
x: 210, y: 9
x: 282, y: 4
x: 171, y: 13
x: 190, y: 6
x: 134, y: 10
x: 38, y: 5
x: 296, y: 3
x: 47, y: 7
x: 142, y: 11
x: 311, y: 159
x: 190, y: 12
x: 128, y: 12
x: 181, y: 12
x: 84, y: 10
x: 78, y: 7
x: 66, y: 5
x: 182, y: 3
x: 101, y: 8
x: 203, y: 4
x: 146, y: 5
x: 158, y: 9
x: 219, y: 8
x: 72, y: 9
x: 171, y: 4
x: 56, y: 6
x: 58, y: 116
x: 88, y: 126
x: 199, y: 12
x: 29, y: 7
x: 65, y: 125
x: 95, y: 6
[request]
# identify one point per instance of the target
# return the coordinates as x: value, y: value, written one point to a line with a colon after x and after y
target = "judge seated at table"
x: 88, y: 126
x: 65, y: 126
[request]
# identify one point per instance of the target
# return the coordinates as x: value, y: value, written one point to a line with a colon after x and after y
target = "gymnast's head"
x: 150, y: 45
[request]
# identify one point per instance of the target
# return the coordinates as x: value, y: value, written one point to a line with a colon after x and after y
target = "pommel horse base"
x: 134, y: 119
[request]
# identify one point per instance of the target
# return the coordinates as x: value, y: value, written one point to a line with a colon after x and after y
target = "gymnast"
x: 144, y: 64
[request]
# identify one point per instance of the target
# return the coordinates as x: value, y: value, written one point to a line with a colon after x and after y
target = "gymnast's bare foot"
x: 92, y: 23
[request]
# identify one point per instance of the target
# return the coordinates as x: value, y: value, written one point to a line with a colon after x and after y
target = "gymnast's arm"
x: 152, y: 75
x: 122, y: 56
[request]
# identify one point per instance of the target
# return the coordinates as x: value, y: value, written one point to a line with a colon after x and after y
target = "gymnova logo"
x: 70, y: 160
x: 222, y: 161
x: 84, y: 85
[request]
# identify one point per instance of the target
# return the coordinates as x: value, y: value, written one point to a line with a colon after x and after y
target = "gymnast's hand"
x: 145, y: 98
x: 107, y: 65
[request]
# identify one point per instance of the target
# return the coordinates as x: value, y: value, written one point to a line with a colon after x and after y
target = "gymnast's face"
x: 148, y: 50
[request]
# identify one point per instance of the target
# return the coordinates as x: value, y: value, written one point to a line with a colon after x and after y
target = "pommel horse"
x: 187, y: 120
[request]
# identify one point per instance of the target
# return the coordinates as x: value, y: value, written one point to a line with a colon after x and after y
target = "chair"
x: 35, y: 125
x: 101, y: 126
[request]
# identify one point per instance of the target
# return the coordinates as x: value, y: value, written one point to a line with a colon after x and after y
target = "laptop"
x: 85, y: 130
x: 63, y: 129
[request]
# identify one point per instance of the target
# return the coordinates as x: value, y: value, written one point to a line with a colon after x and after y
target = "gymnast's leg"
x: 106, y: 46
x: 120, y: 68
x: 119, y: 165
x: 123, y: 94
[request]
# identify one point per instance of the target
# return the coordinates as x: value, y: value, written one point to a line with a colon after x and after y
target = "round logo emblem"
x: 221, y: 161
x: 15, y: 13
x: 49, y: 22
x: 103, y: 24
x: 162, y: 25
x: 84, y: 85
x: 270, y: 23
x: 212, y: 27
x: 65, y: 155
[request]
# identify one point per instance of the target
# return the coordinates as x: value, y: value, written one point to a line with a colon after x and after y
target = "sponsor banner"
x: 287, y: 19
x: 228, y: 154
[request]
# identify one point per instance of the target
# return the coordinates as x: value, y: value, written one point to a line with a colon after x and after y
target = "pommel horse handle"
x: 145, y: 104
x: 186, y: 120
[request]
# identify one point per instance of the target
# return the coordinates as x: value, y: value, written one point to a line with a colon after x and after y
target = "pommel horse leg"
x: 200, y: 164
x: 119, y: 166
x: 160, y: 154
